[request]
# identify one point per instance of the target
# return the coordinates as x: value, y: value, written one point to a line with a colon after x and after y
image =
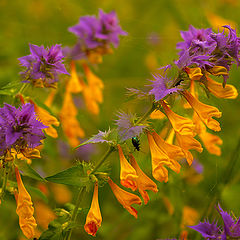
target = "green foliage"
x: 28, y: 170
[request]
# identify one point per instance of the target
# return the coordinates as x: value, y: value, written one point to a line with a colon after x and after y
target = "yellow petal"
x: 228, y: 92
x: 125, y: 198
x: 187, y: 142
x: 204, y: 111
x: 143, y: 181
x: 157, y: 114
x: 90, y: 101
x: 128, y: 174
x: 94, y: 217
x: 75, y: 84
x: 25, y: 209
x: 218, y: 70
x: 194, y: 73
x: 180, y: 124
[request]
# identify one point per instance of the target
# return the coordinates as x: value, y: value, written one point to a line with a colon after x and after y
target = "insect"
x: 136, y: 143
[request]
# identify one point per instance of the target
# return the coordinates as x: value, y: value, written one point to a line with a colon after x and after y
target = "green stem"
x: 23, y: 88
x: 4, y: 184
x: 110, y: 150
x: 75, y: 212
x: 147, y: 113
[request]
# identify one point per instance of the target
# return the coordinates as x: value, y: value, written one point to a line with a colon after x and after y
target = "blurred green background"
x: 153, y: 31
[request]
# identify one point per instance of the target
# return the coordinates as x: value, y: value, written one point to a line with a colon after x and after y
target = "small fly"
x: 136, y: 143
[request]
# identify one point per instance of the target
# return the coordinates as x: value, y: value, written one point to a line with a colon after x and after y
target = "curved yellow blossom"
x: 94, y: 217
x: 25, y: 209
x: 194, y: 73
x: 218, y: 71
x: 157, y: 114
x: 125, y: 198
x: 159, y: 159
x: 187, y: 142
x: 75, y: 84
x: 70, y: 124
x: 209, y: 140
x: 48, y: 120
x: 228, y: 92
x: 128, y: 174
x: 180, y: 124
x: 204, y: 111
x: 143, y: 181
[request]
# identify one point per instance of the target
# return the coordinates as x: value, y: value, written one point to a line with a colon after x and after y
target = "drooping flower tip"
x: 94, y: 217
x: 43, y: 65
x: 20, y: 127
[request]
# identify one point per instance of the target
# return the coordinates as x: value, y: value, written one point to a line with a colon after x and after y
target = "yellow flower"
x: 143, y: 181
x: 95, y: 84
x: 128, y: 174
x: 125, y: 198
x: 187, y: 142
x: 159, y: 159
x: 26, y: 154
x: 75, y: 84
x: 210, y: 141
x: 94, y: 218
x: 47, y: 119
x: 157, y: 114
x: 25, y: 209
x: 228, y: 92
x: 194, y: 73
x: 204, y: 111
x: 180, y: 124
x: 173, y: 152
x: 218, y: 71
x: 70, y: 124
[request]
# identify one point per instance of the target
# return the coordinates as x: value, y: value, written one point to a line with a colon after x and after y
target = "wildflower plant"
x: 176, y: 96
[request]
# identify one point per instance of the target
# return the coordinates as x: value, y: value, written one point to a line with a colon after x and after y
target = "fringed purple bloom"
x: 231, y: 228
x: 43, y: 64
x: 159, y: 87
x: 126, y: 126
x: 101, y: 137
x: 20, y: 127
x: 93, y: 32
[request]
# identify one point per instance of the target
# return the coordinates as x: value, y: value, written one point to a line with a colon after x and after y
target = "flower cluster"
x: 206, y: 49
x: 229, y: 230
x: 95, y: 35
x: 43, y: 66
x: 19, y: 127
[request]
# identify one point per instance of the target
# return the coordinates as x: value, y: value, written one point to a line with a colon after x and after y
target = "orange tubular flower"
x: 125, y: 198
x: 143, y: 181
x: 194, y: 73
x: 75, y: 84
x: 204, y: 111
x: 180, y: 124
x: 70, y: 124
x: 25, y: 209
x: 210, y: 141
x: 159, y: 159
x: 128, y: 174
x: 156, y: 114
x: 187, y: 142
x: 94, y: 218
x: 48, y: 120
x: 227, y: 92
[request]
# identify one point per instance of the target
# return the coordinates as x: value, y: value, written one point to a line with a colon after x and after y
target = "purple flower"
x: 20, y: 127
x: 199, y: 40
x: 101, y: 137
x: 110, y: 27
x: 127, y: 127
x: 159, y: 87
x: 43, y: 64
x: 95, y: 33
x: 231, y: 226
x: 208, y: 230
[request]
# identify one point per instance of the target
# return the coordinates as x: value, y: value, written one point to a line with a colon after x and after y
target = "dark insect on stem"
x: 136, y: 143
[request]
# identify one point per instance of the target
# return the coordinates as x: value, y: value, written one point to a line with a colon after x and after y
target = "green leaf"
x: 27, y: 170
x: 73, y: 176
